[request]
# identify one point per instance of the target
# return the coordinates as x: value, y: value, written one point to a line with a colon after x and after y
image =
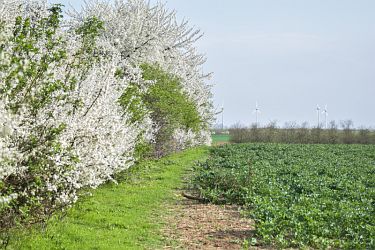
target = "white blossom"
x: 97, y: 140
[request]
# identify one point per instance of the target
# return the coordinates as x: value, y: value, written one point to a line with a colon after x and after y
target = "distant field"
x: 321, y: 196
x: 220, y: 139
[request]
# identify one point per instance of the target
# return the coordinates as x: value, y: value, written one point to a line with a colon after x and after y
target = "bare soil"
x: 195, y: 225
x: 221, y: 143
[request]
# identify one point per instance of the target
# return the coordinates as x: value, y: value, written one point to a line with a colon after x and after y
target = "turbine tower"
x: 318, y: 113
x: 325, y: 112
x: 256, y: 111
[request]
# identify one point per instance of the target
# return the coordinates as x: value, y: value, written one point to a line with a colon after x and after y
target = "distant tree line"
x: 335, y: 133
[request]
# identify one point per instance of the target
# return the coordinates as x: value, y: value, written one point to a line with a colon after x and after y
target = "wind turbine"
x: 256, y: 111
x: 318, y: 113
x: 325, y: 112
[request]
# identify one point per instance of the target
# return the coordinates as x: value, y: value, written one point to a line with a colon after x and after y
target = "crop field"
x: 316, y: 196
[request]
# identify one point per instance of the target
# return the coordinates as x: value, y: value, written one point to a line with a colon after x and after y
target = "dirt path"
x: 194, y: 225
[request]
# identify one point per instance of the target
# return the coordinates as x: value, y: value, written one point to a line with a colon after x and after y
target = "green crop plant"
x: 319, y: 196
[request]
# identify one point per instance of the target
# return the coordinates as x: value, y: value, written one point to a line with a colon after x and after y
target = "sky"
x: 287, y: 55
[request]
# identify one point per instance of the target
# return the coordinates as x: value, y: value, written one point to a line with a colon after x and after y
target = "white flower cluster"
x: 97, y: 131
x: 97, y: 140
x: 7, y: 199
x: 8, y: 151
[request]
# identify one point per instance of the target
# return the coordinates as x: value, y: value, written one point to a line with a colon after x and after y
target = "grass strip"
x: 219, y: 139
x: 124, y: 216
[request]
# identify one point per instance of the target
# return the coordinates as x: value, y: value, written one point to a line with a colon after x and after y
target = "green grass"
x: 216, y: 138
x: 124, y: 216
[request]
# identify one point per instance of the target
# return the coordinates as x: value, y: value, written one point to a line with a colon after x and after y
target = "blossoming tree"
x: 66, y: 100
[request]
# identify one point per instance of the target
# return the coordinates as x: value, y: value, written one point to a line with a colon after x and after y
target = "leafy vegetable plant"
x: 298, y: 195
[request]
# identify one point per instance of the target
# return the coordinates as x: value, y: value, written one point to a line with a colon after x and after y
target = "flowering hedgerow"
x: 62, y: 124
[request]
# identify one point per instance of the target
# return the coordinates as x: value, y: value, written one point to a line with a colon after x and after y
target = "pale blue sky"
x: 289, y: 55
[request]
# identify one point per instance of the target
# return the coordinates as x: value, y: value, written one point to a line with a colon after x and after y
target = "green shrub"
x: 166, y: 104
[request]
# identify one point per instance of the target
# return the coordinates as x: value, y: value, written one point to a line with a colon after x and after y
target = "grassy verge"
x: 124, y: 216
x: 220, y: 139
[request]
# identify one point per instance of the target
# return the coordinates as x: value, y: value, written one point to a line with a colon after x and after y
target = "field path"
x: 195, y: 225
